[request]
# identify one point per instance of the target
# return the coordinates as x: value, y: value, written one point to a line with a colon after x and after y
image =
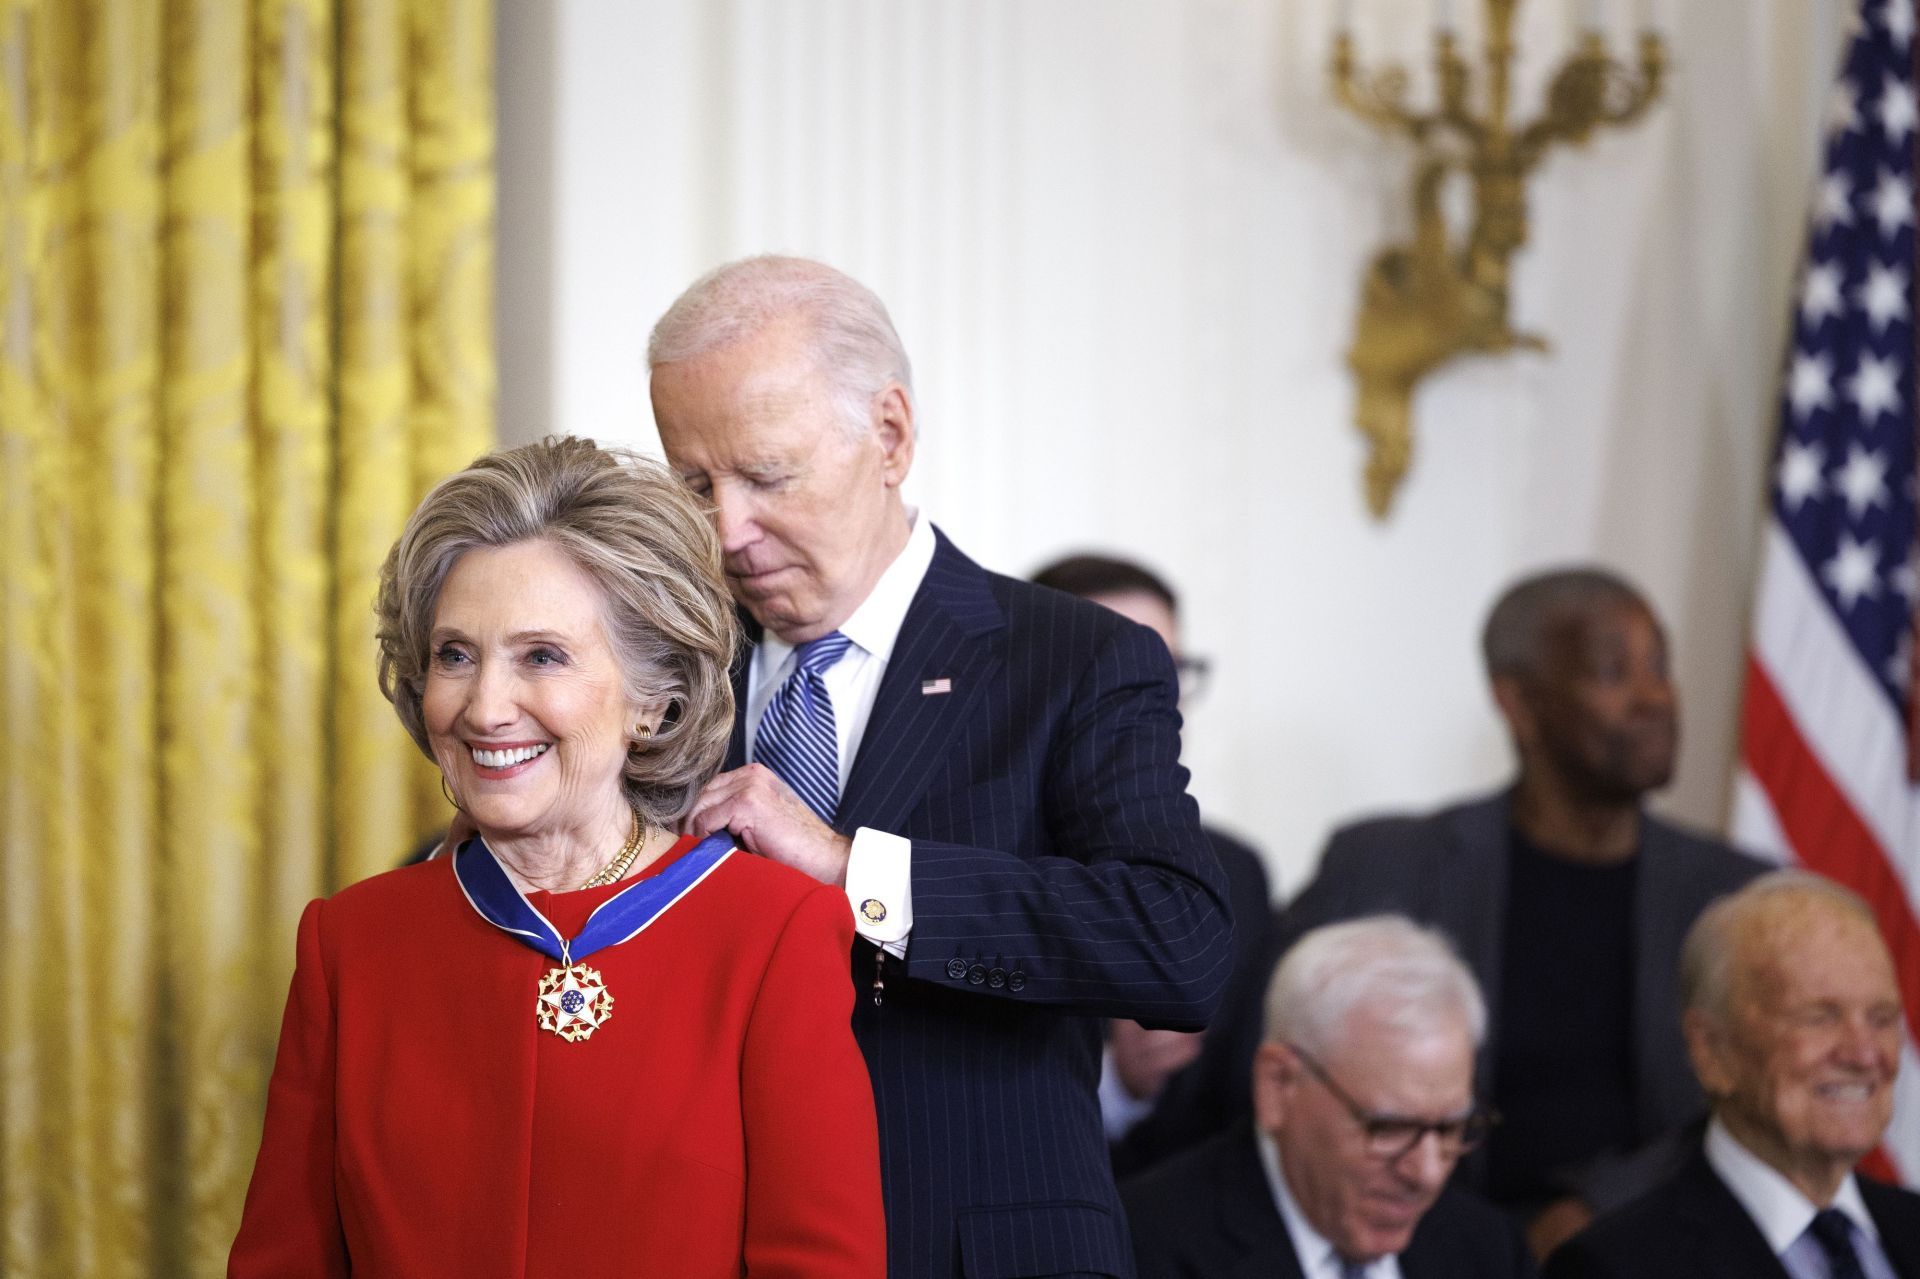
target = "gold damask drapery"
x: 245, y: 300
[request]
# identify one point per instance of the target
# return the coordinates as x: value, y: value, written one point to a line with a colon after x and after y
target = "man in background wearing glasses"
x: 1162, y: 1090
x: 1363, y: 1104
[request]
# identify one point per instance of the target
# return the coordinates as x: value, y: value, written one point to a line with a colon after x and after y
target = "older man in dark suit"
x: 990, y: 769
x: 1363, y: 1101
x: 1567, y: 899
x: 1793, y: 1019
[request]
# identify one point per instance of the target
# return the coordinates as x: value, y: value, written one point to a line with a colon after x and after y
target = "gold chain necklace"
x: 613, y: 870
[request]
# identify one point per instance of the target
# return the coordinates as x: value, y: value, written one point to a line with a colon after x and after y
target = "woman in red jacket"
x: 579, y: 1045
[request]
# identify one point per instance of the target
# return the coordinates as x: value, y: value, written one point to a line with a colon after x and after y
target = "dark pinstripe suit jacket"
x: 1060, y: 876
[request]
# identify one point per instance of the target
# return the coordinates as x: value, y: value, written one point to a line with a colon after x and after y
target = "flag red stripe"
x: 1822, y: 827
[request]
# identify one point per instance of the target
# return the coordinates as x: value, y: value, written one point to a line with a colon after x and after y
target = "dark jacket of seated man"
x: 1363, y: 1104
x: 1209, y: 1213
x: 1793, y: 1022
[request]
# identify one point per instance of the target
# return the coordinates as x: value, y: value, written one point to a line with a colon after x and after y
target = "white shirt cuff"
x: 880, y: 886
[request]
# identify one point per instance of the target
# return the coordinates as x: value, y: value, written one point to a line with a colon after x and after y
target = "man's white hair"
x: 853, y: 339
x: 1710, y: 957
x: 1398, y: 971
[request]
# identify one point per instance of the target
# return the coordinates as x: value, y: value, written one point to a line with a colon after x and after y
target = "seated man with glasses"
x: 1363, y: 1103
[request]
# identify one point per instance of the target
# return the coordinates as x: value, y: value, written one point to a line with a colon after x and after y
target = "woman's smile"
x: 498, y: 762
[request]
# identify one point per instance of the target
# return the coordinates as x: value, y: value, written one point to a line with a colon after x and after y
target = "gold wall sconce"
x: 1438, y: 296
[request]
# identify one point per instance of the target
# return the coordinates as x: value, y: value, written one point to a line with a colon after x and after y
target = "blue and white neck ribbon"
x: 620, y: 918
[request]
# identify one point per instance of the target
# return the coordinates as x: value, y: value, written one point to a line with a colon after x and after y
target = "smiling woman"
x: 527, y: 715
x: 556, y: 635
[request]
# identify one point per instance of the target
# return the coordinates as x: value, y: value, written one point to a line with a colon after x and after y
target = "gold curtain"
x: 245, y: 301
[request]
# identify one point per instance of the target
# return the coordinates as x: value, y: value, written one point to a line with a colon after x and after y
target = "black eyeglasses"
x: 1391, y: 1136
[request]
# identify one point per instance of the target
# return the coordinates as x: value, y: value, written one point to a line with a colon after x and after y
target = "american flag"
x: 1827, y: 740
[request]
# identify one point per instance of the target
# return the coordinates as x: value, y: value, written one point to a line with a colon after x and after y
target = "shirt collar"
x: 1309, y: 1244
x: 1776, y: 1204
x: 875, y: 625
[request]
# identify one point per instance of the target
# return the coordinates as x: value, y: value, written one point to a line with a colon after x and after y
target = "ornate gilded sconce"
x: 1432, y: 298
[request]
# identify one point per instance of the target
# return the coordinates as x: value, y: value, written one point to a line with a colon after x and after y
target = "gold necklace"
x: 613, y: 870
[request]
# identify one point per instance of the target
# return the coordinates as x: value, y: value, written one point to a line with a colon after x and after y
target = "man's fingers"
x: 709, y: 811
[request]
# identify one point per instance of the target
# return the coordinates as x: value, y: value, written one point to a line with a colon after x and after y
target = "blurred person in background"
x: 1793, y: 1019
x: 1363, y: 1104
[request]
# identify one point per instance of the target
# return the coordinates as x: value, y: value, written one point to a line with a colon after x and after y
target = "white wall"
x: 1122, y: 239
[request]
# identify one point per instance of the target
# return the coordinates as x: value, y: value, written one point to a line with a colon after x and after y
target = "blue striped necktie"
x: 796, y: 736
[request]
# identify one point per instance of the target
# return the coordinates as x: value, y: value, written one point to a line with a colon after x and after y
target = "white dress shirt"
x: 1783, y: 1214
x: 1318, y: 1258
x: 879, y: 870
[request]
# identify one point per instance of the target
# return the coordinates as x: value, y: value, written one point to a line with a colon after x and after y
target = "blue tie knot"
x: 818, y: 655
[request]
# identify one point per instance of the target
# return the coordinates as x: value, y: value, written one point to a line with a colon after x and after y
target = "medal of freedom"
x: 573, y: 1002
x: 573, y: 999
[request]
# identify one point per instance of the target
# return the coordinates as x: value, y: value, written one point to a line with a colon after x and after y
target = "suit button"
x: 956, y: 968
x: 977, y: 975
x: 996, y: 977
x: 1016, y: 981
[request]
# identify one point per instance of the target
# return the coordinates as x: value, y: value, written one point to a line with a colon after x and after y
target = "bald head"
x: 844, y: 326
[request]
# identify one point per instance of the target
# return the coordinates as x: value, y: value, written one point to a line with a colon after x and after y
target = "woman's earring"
x: 449, y: 794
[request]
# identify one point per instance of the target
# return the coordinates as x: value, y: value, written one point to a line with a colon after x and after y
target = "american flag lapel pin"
x: 934, y: 687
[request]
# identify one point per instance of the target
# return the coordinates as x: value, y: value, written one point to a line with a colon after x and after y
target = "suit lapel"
x: 1660, y: 924
x: 1897, y: 1218
x: 1723, y: 1240
x: 1254, y: 1239
x: 950, y: 635
x: 1479, y: 836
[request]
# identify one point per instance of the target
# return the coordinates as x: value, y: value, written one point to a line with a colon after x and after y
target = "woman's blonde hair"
x: 634, y: 528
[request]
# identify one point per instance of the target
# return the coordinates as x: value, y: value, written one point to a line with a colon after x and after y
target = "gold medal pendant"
x: 574, y: 1002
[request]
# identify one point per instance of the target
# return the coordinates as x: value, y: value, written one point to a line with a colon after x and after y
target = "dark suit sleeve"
x: 1129, y: 917
x: 1210, y: 1093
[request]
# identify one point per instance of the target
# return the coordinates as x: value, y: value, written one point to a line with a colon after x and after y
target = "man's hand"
x: 1145, y: 1059
x: 769, y: 819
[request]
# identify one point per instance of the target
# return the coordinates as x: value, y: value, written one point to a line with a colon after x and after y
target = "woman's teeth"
x: 506, y: 759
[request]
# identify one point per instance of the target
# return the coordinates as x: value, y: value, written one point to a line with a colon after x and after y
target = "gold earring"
x: 642, y: 731
x: 449, y: 794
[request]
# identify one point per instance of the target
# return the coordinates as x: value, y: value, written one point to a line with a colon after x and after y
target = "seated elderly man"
x: 1363, y: 1103
x: 1793, y: 1023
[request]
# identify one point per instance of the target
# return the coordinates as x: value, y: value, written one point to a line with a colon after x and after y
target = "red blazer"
x: 419, y: 1123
